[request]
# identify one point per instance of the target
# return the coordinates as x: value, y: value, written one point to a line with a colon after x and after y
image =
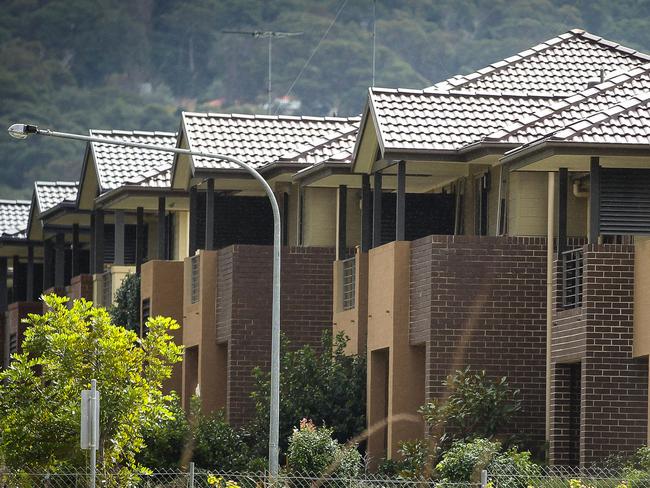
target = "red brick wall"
x: 481, y: 302
x: 614, y: 385
x: 17, y: 312
x: 244, y: 289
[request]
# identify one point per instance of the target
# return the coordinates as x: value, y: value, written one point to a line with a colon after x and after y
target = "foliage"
x: 206, y: 439
x: 64, y: 349
x: 325, y: 385
x: 133, y: 65
x: 313, y: 452
x: 476, y: 406
x: 125, y: 310
x: 464, y: 461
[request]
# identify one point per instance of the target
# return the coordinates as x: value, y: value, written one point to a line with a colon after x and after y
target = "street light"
x: 22, y: 131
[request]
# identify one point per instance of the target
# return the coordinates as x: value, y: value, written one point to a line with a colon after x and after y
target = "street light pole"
x: 22, y: 131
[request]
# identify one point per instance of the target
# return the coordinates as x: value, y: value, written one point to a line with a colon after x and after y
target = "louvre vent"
x: 625, y: 202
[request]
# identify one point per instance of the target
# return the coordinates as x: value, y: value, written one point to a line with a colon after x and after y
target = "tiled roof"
x: 14, y: 215
x: 120, y: 165
x: 562, y: 66
x: 627, y: 122
x: 424, y: 121
x: 257, y: 139
x: 339, y: 149
x: 50, y: 193
x: 616, y: 88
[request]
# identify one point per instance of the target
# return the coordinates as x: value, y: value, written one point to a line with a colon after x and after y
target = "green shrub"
x: 125, y: 310
x: 166, y: 439
x: 313, y: 452
x: 218, y: 445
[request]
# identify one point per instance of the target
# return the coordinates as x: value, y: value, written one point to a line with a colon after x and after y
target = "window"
x: 349, y: 283
x: 107, y: 289
x: 195, y: 281
x: 13, y: 344
x: 146, y: 313
x: 572, y: 278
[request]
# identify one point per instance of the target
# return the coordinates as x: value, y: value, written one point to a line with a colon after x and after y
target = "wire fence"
x: 566, y: 477
x: 208, y: 479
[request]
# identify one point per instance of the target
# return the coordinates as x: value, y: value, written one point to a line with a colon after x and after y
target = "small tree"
x: 326, y: 385
x: 125, y: 310
x: 63, y: 350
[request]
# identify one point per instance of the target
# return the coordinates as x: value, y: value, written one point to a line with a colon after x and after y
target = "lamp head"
x: 22, y: 131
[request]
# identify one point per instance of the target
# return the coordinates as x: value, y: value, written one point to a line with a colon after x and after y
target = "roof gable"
x: 338, y: 149
x: 49, y: 194
x: 562, y: 65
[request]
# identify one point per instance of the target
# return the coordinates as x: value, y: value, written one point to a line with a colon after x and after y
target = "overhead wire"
x: 304, y: 67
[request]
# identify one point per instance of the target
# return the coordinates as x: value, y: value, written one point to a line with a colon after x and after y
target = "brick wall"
x: 599, y: 335
x: 81, y: 286
x: 243, y: 315
x: 481, y: 301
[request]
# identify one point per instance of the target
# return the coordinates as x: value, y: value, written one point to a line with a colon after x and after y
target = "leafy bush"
x: 464, y: 461
x: 166, y: 439
x: 125, y: 310
x: 218, y: 445
x: 325, y: 385
x: 313, y: 451
x: 477, y: 406
x: 63, y: 350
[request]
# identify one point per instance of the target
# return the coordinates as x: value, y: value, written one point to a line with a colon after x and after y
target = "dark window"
x: 13, y: 344
x: 130, y: 234
x: 572, y: 266
x: 146, y: 313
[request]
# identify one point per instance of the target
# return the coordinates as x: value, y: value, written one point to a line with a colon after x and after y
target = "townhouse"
x: 493, y: 220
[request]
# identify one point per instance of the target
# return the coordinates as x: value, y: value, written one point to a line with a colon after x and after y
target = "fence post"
x: 484, y: 478
x: 191, y: 474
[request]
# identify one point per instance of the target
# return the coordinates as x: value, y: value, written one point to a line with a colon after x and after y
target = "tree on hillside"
x: 62, y: 351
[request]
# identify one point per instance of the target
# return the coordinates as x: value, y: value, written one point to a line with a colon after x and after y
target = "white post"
x: 192, y: 474
x: 484, y: 478
x: 93, y: 433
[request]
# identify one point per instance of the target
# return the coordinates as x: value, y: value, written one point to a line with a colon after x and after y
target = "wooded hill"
x: 79, y: 64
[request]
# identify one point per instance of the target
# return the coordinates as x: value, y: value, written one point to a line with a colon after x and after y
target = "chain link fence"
x: 566, y: 477
x: 208, y: 479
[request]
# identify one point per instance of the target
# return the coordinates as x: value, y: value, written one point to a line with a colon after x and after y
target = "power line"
x: 266, y: 35
x: 327, y: 31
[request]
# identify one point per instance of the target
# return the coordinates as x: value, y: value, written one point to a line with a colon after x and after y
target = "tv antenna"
x: 270, y: 35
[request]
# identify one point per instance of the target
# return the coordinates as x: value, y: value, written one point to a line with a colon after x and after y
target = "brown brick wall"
x: 480, y: 301
x: 243, y: 312
x: 17, y: 312
x: 614, y: 385
x: 81, y: 286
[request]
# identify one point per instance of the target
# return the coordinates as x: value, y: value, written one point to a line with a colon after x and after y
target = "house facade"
x: 495, y: 220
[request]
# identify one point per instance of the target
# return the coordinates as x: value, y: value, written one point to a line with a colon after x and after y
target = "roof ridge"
x: 509, y: 61
x: 155, y: 133
x: 6, y: 201
x: 235, y: 115
x: 470, y: 93
x: 612, y: 112
x: 616, y: 79
x: 56, y: 183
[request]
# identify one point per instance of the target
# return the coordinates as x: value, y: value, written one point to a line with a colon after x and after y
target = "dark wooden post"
x: 30, y: 273
x: 376, y: 211
x: 139, y: 239
x: 562, y: 208
x: 162, y: 228
x: 366, y: 215
x: 92, y: 243
x: 341, y: 238
x: 209, y: 216
x: 4, y: 297
x: 400, y: 217
x: 119, y: 258
x: 193, y: 221
x: 285, y: 219
x: 76, y: 251
x: 99, y: 241
x: 17, y: 276
x: 59, y: 261
x: 48, y: 264
x: 594, y: 200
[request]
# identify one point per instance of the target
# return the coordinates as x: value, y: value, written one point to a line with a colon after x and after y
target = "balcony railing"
x: 349, y: 282
x: 572, y: 267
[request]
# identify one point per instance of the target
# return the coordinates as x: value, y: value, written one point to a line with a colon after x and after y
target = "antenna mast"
x: 374, y: 38
x: 266, y: 35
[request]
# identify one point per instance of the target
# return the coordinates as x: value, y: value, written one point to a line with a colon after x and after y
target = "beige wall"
x: 319, y: 217
x: 199, y: 330
x: 353, y: 322
x: 118, y: 273
x: 181, y: 235
x: 527, y: 208
x: 642, y: 297
x: 161, y: 282
x: 388, y: 341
